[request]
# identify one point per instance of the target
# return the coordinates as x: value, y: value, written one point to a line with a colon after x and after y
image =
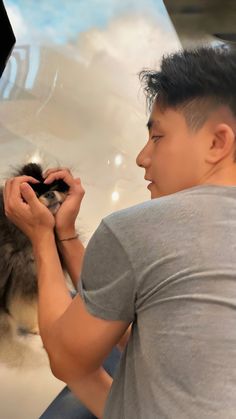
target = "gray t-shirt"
x: 169, y: 266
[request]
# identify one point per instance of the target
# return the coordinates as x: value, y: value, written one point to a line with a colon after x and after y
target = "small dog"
x: 18, y: 280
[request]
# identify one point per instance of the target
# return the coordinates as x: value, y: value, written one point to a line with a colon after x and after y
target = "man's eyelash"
x: 156, y: 138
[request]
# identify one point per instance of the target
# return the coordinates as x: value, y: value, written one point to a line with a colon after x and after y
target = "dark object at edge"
x: 8, y: 38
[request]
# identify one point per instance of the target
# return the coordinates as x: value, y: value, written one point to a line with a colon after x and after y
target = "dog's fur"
x: 18, y: 281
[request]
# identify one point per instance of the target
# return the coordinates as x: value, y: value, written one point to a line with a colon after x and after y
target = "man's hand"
x: 66, y: 215
x: 24, y: 209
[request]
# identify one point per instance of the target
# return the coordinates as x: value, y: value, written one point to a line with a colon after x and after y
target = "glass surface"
x: 70, y: 94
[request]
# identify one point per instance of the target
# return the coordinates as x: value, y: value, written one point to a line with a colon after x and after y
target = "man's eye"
x: 155, y: 138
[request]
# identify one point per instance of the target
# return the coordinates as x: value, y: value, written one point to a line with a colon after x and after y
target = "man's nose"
x: 143, y: 159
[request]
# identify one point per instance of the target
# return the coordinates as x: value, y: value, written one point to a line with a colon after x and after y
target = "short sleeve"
x: 107, y: 283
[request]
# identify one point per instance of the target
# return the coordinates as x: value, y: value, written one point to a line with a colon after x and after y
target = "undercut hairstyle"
x: 195, y: 82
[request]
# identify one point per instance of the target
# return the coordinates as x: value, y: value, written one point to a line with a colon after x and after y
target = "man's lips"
x: 149, y: 185
x: 151, y: 182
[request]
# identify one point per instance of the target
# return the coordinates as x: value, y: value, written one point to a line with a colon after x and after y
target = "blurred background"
x: 70, y: 93
x: 70, y: 96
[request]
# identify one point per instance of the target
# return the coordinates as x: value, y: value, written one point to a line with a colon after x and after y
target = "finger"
x: 53, y: 170
x: 12, y: 185
x: 64, y: 175
x: 25, y: 178
x: 78, y: 181
x: 6, y: 190
x: 11, y: 193
x: 20, y: 179
x: 79, y: 184
x: 29, y: 195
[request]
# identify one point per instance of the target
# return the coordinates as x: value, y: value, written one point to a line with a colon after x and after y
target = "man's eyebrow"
x: 151, y: 122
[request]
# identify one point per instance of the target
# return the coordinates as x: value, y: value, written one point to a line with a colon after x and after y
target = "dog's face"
x: 52, y: 195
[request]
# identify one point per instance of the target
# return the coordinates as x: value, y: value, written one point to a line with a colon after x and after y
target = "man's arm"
x: 72, y: 252
x: 124, y: 339
x: 92, y: 390
x: 76, y: 342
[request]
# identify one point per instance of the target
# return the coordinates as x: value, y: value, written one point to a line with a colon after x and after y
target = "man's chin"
x: 156, y: 194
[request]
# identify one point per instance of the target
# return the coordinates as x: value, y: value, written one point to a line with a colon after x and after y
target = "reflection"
x: 70, y: 96
x: 21, y: 72
x: 61, y: 21
x: 35, y: 158
x: 118, y: 159
x: 115, y: 196
x: 53, y: 86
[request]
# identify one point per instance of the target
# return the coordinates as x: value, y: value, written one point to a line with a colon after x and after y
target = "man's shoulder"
x: 130, y: 212
x: 139, y: 214
x: 158, y: 209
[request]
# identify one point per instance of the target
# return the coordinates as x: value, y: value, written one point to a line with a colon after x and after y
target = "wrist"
x: 65, y: 232
x: 42, y: 238
x: 67, y: 238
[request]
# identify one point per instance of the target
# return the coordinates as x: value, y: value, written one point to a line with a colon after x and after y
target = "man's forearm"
x: 54, y: 299
x: 92, y: 390
x: 72, y: 252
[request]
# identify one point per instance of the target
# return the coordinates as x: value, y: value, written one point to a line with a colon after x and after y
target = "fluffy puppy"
x: 18, y: 281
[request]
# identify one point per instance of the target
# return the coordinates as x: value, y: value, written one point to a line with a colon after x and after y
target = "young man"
x: 166, y: 266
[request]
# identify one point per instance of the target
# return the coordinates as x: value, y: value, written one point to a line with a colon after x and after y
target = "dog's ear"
x: 59, y: 185
x: 31, y: 169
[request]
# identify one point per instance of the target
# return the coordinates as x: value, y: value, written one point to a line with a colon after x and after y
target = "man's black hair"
x: 194, y: 81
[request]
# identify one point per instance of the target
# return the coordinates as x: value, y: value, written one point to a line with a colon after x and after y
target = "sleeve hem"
x: 102, y: 312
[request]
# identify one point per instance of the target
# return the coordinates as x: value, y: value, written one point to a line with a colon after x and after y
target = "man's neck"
x: 224, y: 176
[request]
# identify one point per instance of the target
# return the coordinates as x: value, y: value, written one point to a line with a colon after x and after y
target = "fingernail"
x: 24, y: 184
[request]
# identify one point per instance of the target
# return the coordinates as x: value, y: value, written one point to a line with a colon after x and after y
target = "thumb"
x: 29, y: 195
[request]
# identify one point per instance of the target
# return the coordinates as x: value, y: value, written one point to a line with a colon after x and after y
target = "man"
x: 166, y: 266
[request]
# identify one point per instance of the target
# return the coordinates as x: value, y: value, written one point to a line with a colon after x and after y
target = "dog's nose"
x: 49, y: 195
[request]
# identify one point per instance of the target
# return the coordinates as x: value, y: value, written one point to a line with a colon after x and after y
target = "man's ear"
x: 222, y: 144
